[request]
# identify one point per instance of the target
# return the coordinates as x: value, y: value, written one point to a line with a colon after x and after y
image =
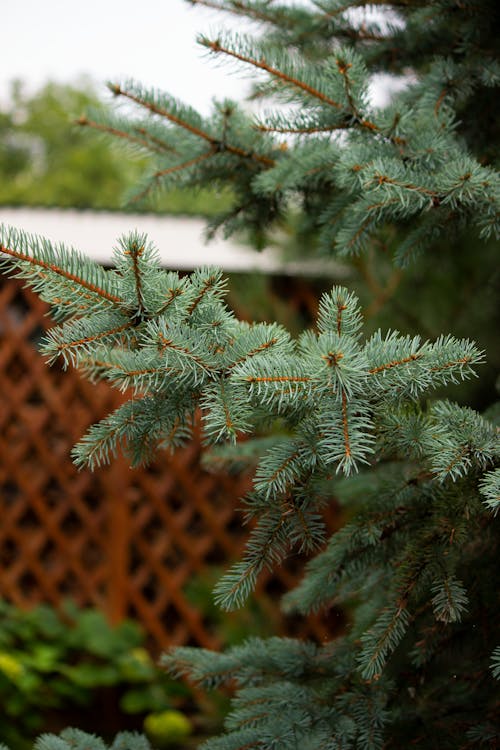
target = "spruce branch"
x: 281, y: 468
x: 156, y: 177
x: 260, y: 339
x: 300, y: 128
x: 279, y: 384
x: 208, y: 284
x: 450, y: 599
x: 62, y: 277
x: 75, y: 739
x: 490, y: 490
x: 248, y: 10
x: 154, y: 104
x: 103, y: 439
x: 226, y: 412
x: 80, y: 337
x: 178, y: 348
x: 339, y: 311
x: 471, y: 441
x: 342, y: 402
x: 141, y: 371
x: 135, y: 134
x: 495, y: 663
x: 291, y: 79
x: 381, y: 640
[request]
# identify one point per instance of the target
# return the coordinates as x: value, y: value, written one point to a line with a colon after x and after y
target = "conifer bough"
x: 343, y: 402
x: 359, y: 417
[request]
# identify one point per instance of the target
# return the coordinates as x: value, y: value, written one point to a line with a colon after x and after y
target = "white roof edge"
x: 179, y: 239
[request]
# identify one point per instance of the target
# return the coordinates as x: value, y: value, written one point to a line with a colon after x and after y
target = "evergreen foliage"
x: 362, y: 414
x: 353, y: 168
x: 343, y: 403
x: 74, y: 739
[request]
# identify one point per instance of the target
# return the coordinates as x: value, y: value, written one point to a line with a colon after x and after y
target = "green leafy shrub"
x: 167, y: 728
x: 54, y: 666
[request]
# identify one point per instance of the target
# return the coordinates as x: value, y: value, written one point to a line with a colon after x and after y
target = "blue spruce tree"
x: 408, y: 195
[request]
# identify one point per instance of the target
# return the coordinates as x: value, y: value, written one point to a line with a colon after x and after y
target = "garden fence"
x: 127, y: 541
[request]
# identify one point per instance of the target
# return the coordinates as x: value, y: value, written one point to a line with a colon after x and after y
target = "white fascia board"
x: 180, y: 241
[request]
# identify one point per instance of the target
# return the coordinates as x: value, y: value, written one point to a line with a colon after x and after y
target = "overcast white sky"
x: 152, y: 41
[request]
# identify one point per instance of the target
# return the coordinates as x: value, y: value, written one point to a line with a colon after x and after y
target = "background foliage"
x: 72, y: 665
x: 46, y: 159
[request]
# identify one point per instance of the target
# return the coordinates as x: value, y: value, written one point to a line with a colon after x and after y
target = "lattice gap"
x: 29, y: 521
x: 173, y: 558
x: 216, y: 555
x: 92, y: 556
x: 69, y: 585
x: 16, y: 368
x: 52, y: 493
x: 35, y: 398
x: 92, y: 498
x: 17, y: 307
x: 48, y: 555
x: 9, y: 552
x: 28, y: 585
x: 9, y: 492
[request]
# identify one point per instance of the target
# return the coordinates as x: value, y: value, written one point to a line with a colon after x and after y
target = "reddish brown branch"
x: 238, y: 9
x: 440, y: 100
x: 168, y: 170
x: 340, y: 310
x: 253, y: 352
x: 135, y: 253
x: 345, y: 424
x: 283, y: 466
x: 96, y: 337
x: 395, y: 363
x: 385, y: 180
x: 61, y: 272
x: 461, y: 361
x: 172, y: 294
x: 208, y: 283
x: 277, y: 379
x: 169, y: 344
x: 263, y: 65
x: 301, y: 131
x: 153, y: 144
x: 214, y: 142
x: 186, y: 164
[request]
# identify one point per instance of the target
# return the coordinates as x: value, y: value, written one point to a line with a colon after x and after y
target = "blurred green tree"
x: 47, y: 162
x: 47, y: 159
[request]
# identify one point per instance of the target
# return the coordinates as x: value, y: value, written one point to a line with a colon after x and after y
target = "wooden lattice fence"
x: 126, y: 541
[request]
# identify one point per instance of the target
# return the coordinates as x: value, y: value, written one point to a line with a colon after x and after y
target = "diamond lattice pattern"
x: 127, y: 541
